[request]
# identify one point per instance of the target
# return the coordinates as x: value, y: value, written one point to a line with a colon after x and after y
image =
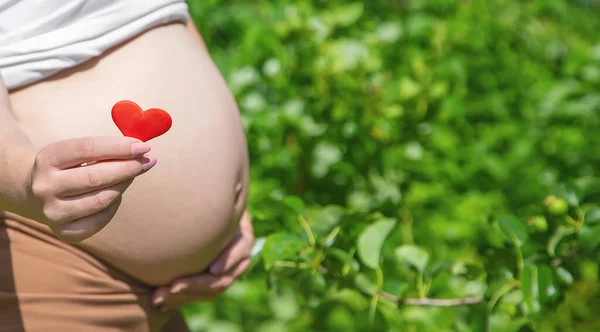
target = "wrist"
x: 17, y: 164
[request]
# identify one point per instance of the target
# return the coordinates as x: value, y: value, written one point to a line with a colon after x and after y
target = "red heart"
x: 132, y: 121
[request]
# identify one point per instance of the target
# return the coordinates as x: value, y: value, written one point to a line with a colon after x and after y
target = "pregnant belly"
x: 176, y: 218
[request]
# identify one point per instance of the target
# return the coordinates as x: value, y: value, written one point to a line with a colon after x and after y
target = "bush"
x: 416, y: 165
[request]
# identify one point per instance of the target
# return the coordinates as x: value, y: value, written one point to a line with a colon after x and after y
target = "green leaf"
x: 563, y: 275
x: 530, y: 289
x: 414, y: 256
x: 339, y: 318
x: 513, y: 228
x: 589, y: 237
x: 345, y: 15
x: 325, y: 155
x: 479, y: 318
x: 438, y: 267
x: 592, y: 217
x: 295, y: 203
x: 589, y: 185
x: 379, y: 321
x: 370, y: 241
x: 324, y: 219
x: 397, y: 287
x: 223, y: 326
x: 559, y: 234
x: 281, y: 246
x: 409, y: 88
x: 505, y: 323
x: 349, y: 297
x: 538, y: 287
x: 547, y: 288
x: 468, y: 271
x: 419, y: 25
x: 389, y: 32
x: 284, y: 304
x: 569, y: 193
x: 272, y: 326
x: 345, y: 258
x: 366, y: 285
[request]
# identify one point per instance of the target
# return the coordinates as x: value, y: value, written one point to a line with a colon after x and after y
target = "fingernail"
x: 217, y: 267
x: 140, y: 148
x: 158, y: 300
x: 149, y: 162
x: 178, y: 288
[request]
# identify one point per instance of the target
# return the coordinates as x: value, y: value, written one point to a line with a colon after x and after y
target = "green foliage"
x: 416, y: 165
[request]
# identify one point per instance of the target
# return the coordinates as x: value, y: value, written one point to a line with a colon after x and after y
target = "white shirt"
x: 38, y: 38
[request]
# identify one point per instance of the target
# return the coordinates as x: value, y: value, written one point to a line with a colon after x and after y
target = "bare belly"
x: 176, y: 218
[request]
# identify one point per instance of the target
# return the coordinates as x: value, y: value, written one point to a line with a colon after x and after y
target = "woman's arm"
x: 51, y: 187
x: 16, y: 158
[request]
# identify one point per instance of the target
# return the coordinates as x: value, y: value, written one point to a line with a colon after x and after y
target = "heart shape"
x: 132, y: 121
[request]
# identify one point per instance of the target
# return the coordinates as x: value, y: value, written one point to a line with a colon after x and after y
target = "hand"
x: 231, y: 263
x: 77, y: 201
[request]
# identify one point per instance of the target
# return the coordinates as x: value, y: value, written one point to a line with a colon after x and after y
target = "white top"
x: 38, y: 38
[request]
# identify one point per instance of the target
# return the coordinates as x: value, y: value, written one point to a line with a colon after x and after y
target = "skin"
x: 232, y: 263
x: 103, y: 207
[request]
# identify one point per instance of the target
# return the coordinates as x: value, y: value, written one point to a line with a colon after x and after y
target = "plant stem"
x: 420, y: 288
x: 309, y: 233
x: 372, y: 309
x: 498, y: 294
x: 519, y: 254
x: 290, y: 264
x: 346, y: 268
x: 432, y: 302
x: 334, y: 232
x: 423, y: 301
x: 407, y: 220
x: 379, y: 273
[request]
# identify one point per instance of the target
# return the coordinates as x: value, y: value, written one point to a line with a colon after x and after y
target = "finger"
x: 74, y: 152
x: 76, y: 207
x: 163, y: 294
x: 226, y: 257
x: 246, y: 223
x: 226, y: 280
x: 200, y: 288
x: 240, y: 251
x: 246, y: 226
x: 201, y: 284
x: 206, y: 284
x: 241, y: 268
x: 81, y: 229
x: 159, y: 295
x: 80, y: 180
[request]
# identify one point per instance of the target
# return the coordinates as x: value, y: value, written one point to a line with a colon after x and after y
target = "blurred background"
x: 417, y: 165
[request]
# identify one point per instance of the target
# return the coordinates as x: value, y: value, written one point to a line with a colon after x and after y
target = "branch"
x: 433, y: 302
x: 470, y: 300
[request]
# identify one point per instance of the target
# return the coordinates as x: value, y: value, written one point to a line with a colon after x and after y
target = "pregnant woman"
x: 101, y: 232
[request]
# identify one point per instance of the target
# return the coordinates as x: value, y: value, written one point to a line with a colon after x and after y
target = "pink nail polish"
x: 217, y: 268
x: 149, y: 162
x: 159, y: 300
x: 139, y: 148
x: 177, y: 288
